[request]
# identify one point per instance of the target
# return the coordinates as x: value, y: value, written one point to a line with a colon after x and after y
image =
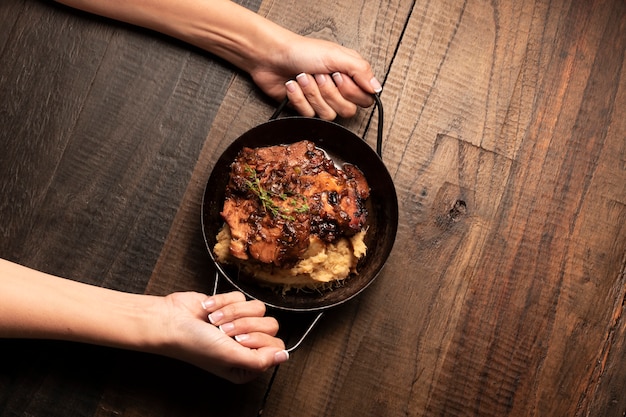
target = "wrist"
x: 247, y: 42
x: 127, y: 321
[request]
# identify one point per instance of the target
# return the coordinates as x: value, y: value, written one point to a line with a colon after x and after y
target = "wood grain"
x: 102, y: 125
x: 497, y: 108
x: 504, y: 133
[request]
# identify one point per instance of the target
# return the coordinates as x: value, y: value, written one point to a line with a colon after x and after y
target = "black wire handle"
x: 280, y: 108
x: 379, y: 134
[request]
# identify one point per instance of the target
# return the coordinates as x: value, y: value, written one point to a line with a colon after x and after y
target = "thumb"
x: 255, y: 362
x: 358, y: 69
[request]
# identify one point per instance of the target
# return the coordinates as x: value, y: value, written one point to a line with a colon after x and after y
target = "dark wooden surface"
x: 505, y: 133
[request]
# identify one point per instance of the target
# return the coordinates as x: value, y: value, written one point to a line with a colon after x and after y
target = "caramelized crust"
x: 278, y: 196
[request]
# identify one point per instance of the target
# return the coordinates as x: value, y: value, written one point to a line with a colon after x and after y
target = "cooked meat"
x: 278, y: 196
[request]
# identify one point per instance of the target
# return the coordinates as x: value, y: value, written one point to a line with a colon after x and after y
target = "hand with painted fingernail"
x: 270, y: 53
x: 319, y: 78
x: 224, y: 334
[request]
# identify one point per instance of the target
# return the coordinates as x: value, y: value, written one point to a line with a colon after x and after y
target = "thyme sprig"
x: 297, y: 202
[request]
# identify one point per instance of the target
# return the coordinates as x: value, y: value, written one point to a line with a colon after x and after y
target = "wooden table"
x: 504, y: 132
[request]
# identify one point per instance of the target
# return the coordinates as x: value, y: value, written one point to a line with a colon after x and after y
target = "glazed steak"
x: 279, y: 196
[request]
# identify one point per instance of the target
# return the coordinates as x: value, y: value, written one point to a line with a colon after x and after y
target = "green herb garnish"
x: 298, y: 202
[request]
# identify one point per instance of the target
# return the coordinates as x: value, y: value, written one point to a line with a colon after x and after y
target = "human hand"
x: 330, y: 80
x: 334, y: 81
x: 223, y: 334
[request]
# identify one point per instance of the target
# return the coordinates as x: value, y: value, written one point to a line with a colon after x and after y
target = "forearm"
x: 37, y: 305
x: 221, y: 27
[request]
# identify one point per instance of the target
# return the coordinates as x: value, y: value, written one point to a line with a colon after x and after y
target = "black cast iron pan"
x: 341, y: 145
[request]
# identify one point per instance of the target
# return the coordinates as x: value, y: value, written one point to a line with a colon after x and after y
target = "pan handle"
x: 379, y: 134
x: 217, y: 281
x: 304, y: 335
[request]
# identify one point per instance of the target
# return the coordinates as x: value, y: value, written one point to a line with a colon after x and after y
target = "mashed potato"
x: 322, y: 265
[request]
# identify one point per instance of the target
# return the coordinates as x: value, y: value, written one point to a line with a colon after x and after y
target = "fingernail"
x: 320, y: 79
x: 215, y: 317
x: 376, y: 85
x: 227, y: 327
x: 338, y: 78
x: 291, y: 86
x: 281, y: 356
x: 302, y: 79
x: 208, y: 303
x: 242, y: 337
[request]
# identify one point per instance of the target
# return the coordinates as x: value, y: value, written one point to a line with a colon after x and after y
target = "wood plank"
x: 605, y: 391
x: 243, y: 108
x: 139, y: 127
x: 101, y: 128
x: 100, y: 165
x: 184, y: 262
x: 514, y: 110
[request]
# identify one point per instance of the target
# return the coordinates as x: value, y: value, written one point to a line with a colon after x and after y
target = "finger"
x: 351, y: 91
x: 367, y: 82
x: 270, y: 356
x: 218, y: 301
x: 314, y: 97
x: 259, y: 340
x: 268, y: 325
x: 333, y: 97
x: 297, y: 100
x: 360, y: 71
x: 236, y: 311
x: 247, y: 364
x: 261, y: 359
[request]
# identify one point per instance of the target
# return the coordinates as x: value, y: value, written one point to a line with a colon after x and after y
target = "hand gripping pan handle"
x: 304, y: 335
